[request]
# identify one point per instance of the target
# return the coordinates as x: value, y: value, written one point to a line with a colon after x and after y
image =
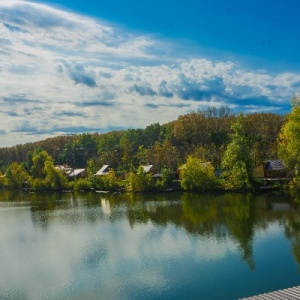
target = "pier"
x: 286, y: 294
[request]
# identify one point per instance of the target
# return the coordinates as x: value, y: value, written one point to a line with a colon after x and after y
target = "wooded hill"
x: 203, y: 134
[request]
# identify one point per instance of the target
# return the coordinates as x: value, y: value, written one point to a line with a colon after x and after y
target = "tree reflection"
x: 230, y: 216
x: 292, y: 230
x: 239, y: 217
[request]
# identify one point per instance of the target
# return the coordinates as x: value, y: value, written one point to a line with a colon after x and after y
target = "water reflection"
x: 80, y: 246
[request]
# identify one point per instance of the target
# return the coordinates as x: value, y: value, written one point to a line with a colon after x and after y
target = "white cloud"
x: 52, y: 61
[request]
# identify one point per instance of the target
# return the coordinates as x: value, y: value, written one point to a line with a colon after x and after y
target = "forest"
x: 199, y: 143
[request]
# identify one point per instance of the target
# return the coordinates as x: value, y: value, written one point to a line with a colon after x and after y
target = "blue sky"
x: 85, y: 66
x: 266, y: 29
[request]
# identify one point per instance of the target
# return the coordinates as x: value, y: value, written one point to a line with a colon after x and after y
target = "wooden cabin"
x: 274, y: 169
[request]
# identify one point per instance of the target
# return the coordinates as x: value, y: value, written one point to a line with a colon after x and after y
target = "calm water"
x: 173, y: 246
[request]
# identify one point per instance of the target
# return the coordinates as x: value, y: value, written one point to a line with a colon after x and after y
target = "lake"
x: 159, y: 246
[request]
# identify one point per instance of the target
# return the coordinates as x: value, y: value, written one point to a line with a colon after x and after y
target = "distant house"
x: 72, y: 173
x: 64, y: 168
x: 78, y: 173
x: 150, y: 169
x: 103, y: 171
x: 274, y: 168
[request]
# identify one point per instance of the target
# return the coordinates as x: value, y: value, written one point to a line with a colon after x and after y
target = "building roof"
x: 274, y: 165
x: 104, y: 170
x: 147, y: 168
x: 70, y: 172
x: 75, y: 172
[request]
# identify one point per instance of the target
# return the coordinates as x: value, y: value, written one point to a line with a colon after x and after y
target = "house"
x: 103, y: 171
x: 274, y: 168
x: 150, y: 169
x: 72, y: 173
x: 64, y: 168
x: 77, y: 173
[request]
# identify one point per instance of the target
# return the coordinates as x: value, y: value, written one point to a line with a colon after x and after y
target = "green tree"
x: 163, y: 155
x: 16, y: 176
x: 44, y: 175
x: 109, y: 149
x: 167, y: 178
x: 289, y: 140
x: 140, y: 181
x: 82, y: 184
x: 38, y: 164
x: 262, y: 131
x: 55, y: 179
x: 197, y: 175
x: 152, y: 134
x: 2, y: 179
x: 237, y: 162
x: 289, y: 143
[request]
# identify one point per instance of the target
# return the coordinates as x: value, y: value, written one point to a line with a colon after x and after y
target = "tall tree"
x: 38, y: 164
x: 237, y: 162
x: 289, y: 137
x: 262, y: 131
x: 164, y: 155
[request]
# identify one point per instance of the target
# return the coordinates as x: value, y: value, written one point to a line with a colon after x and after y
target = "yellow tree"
x: 289, y: 138
x: 289, y: 143
x: 197, y: 175
x: 16, y: 175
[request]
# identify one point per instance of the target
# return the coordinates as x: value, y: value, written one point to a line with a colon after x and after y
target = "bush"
x: 237, y: 178
x: 140, y: 182
x: 198, y: 175
x: 82, y: 184
x: 39, y: 184
x: 107, y: 182
x: 16, y: 176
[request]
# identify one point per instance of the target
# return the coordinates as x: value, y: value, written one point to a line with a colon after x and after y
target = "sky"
x: 69, y: 67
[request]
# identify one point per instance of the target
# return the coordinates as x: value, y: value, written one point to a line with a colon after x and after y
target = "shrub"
x: 39, y: 184
x: 237, y: 178
x: 82, y: 184
x: 140, y: 182
x: 197, y: 175
x: 107, y: 182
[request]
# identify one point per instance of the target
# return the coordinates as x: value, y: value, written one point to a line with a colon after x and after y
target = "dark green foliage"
x: 44, y: 176
x: 202, y: 134
x: 140, y: 182
x: 237, y: 161
x: 168, y: 177
x: 82, y: 184
x: 4, y: 165
x: 107, y: 182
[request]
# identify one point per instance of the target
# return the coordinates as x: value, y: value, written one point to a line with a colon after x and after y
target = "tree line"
x: 198, y: 144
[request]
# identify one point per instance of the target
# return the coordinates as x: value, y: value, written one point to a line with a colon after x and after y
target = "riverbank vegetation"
x: 203, y: 150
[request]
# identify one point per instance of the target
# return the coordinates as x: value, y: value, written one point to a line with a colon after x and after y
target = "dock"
x: 286, y: 294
